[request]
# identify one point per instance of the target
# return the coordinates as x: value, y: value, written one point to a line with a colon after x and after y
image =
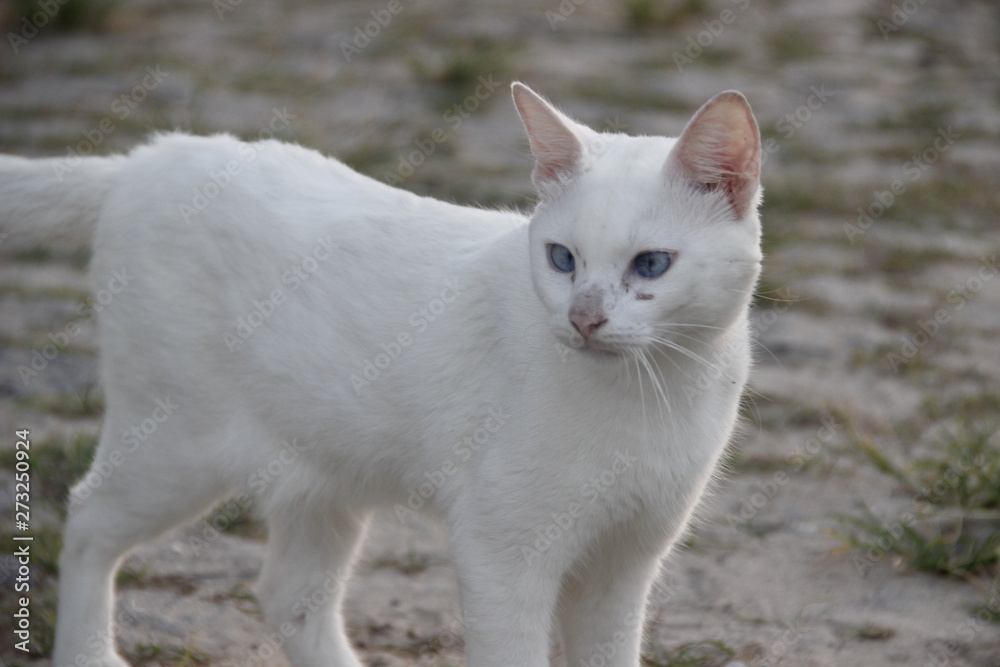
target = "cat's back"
x: 209, y: 182
x: 189, y: 199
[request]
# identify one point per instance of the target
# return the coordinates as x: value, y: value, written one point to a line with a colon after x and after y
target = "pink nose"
x: 587, y: 321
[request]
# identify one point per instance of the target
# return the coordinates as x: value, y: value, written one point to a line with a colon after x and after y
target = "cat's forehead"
x: 618, y: 157
x: 620, y: 193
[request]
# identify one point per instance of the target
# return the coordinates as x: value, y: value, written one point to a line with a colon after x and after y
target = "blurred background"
x: 858, y: 520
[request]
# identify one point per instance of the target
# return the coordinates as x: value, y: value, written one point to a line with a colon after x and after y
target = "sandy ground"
x: 878, y: 319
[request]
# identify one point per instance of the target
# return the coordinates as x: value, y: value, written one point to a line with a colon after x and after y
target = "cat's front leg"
x: 507, y: 604
x: 602, y: 607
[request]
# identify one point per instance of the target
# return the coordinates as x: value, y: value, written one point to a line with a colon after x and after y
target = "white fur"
x: 566, y: 469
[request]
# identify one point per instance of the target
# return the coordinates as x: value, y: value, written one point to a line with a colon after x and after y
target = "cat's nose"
x: 587, y: 311
x: 587, y: 321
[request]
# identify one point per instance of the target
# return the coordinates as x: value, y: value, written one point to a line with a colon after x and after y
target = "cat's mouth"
x: 600, y: 350
x: 593, y: 348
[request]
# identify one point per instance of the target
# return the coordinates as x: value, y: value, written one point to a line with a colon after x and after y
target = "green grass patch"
x: 624, y: 94
x: 459, y: 65
x: 950, y: 549
x: 966, y: 407
x: 178, y: 656
x: 964, y: 473
x: 873, y: 631
x: 790, y: 197
x: 243, y: 593
x: 903, y: 261
x: 236, y: 518
x: 129, y: 576
x: 643, y: 15
x: 989, y: 610
x: 77, y: 257
x: 954, y: 526
x: 410, y: 563
x: 88, y: 403
x: 709, y: 653
x: 919, y: 117
x: 69, y: 15
x: 793, y: 43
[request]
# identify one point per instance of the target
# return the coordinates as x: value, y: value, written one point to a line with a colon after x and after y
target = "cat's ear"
x: 720, y: 149
x: 556, y: 141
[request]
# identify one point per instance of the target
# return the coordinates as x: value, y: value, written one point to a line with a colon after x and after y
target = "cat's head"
x: 639, y: 241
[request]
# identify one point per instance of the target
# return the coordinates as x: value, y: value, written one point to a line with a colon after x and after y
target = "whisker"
x: 677, y: 366
x: 757, y: 343
x: 672, y: 325
x: 684, y: 335
x: 670, y: 328
x: 641, y: 363
x: 686, y: 352
x: 638, y: 372
x: 660, y: 387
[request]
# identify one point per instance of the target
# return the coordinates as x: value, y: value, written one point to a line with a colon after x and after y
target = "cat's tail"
x: 53, y: 201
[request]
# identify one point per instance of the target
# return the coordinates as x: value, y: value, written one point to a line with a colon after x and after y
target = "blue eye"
x: 561, y: 258
x: 651, y: 264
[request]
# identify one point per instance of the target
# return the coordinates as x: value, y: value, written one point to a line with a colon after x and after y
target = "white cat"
x: 558, y: 388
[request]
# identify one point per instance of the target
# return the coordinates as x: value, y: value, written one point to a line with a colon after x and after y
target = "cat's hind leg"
x: 311, y: 546
x: 135, y: 490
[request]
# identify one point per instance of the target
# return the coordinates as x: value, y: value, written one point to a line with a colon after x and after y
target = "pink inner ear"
x: 554, y: 161
x: 720, y: 149
x: 554, y: 143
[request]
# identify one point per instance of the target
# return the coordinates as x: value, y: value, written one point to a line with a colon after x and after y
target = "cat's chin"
x: 605, y: 353
x: 597, y: 351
